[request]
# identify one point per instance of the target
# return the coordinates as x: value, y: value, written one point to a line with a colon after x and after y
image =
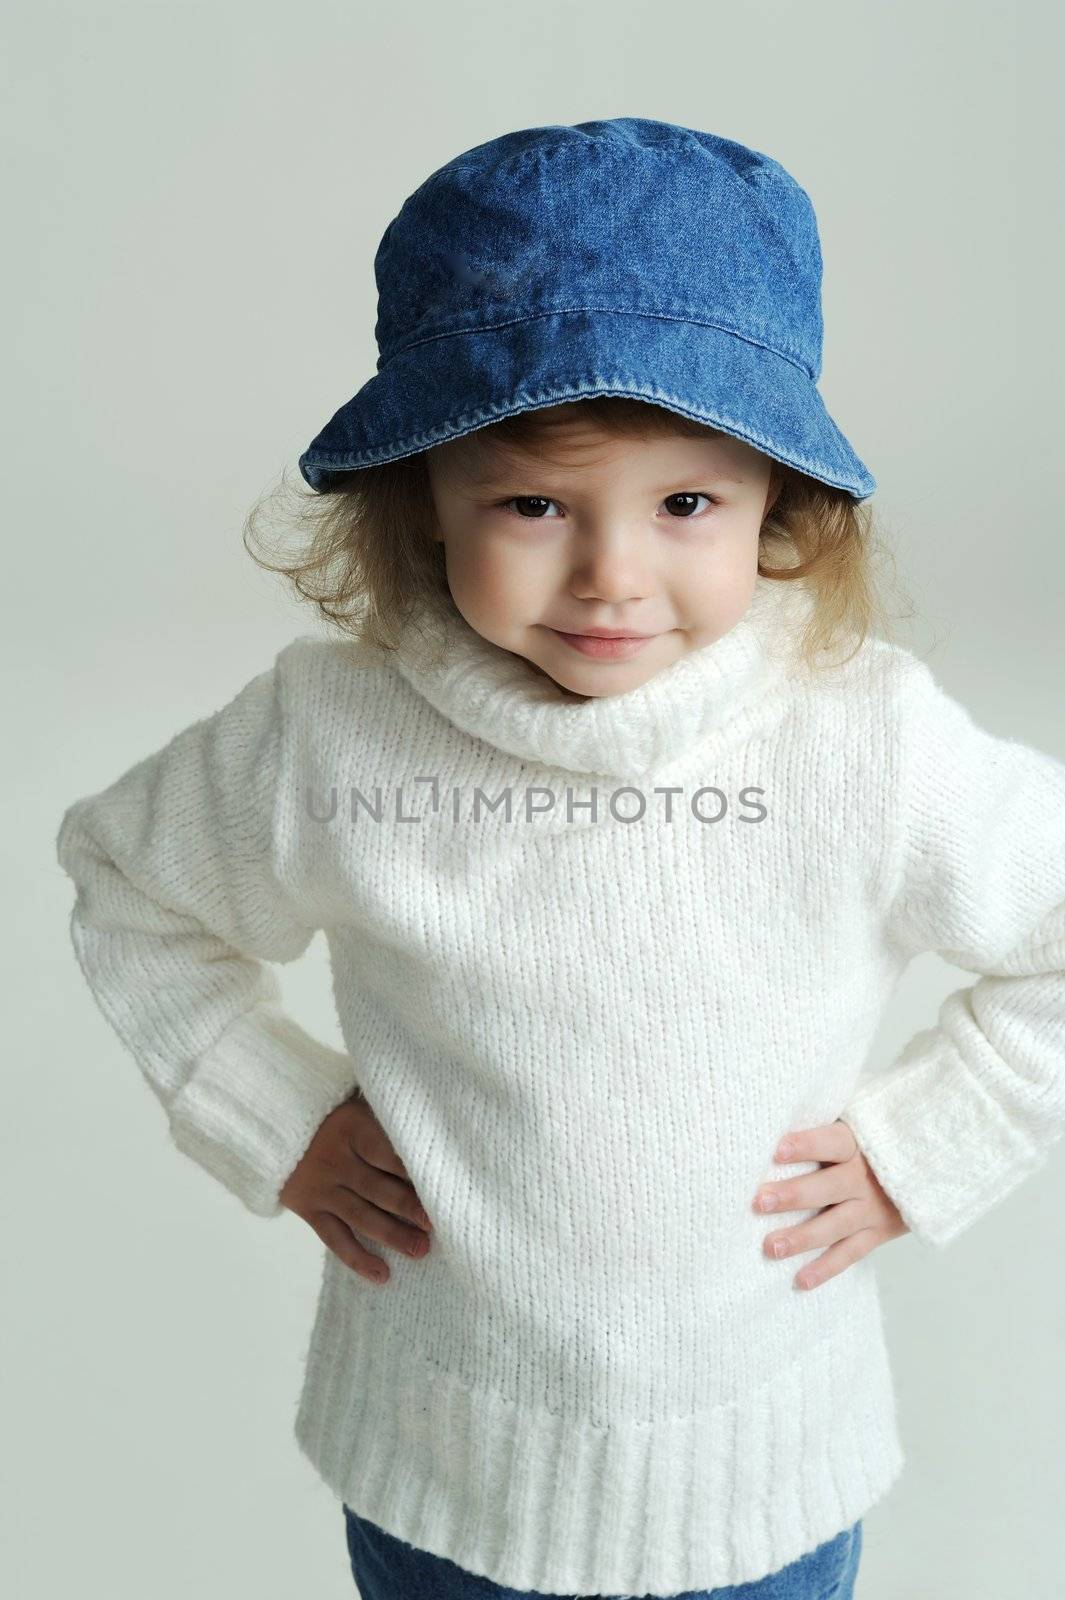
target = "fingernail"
x: 784, y: 1149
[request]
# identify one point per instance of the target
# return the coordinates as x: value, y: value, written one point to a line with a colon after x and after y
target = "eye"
x: 528, y: 500
x: 689, y: 495
x: 683, y: 499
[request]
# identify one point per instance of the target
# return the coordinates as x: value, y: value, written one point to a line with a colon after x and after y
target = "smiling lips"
x: 605, y: 646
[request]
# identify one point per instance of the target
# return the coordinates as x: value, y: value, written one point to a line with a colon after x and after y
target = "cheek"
x: 717, y: 584
x: 495, y: 574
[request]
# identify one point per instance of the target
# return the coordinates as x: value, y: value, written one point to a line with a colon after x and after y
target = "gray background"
x: 196, y: 193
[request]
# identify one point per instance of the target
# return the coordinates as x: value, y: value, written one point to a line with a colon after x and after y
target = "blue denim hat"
x: 618, y: 257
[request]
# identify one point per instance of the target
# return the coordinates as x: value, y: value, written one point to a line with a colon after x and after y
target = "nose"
x: 611, y: 563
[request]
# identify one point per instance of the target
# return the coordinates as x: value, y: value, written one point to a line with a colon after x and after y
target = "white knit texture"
x: 584, y: 1023
x: 972, y: 1105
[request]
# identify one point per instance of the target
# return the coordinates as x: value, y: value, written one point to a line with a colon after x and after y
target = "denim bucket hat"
x: 620, y: 257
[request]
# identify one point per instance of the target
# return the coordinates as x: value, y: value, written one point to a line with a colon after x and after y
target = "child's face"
x: 627, y: 538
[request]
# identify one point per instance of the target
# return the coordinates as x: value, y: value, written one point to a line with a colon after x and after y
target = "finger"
x: 397, y: 1195
x: 837, y: 1181
x: 377, y: 1223
x: 832, y: 1141
x: 340, y: 1239
x: 837, y: 1259
x: 369, y: 1140
x: 830, y: 1225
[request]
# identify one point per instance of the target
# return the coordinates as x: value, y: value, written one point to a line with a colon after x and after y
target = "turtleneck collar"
x: 721, y: 694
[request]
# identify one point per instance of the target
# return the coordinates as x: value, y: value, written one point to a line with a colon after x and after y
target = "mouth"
x: 607, y: 633
x: 604, y: 645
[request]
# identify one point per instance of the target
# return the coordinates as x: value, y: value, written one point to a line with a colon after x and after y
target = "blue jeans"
x: 386, y: 1568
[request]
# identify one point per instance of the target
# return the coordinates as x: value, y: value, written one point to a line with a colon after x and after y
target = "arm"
x: 973, y: 1104
x: 179, y: 903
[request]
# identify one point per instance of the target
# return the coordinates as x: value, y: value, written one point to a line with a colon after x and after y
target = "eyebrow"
x: 503, y: 478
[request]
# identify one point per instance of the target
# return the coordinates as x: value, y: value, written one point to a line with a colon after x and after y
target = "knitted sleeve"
x: 178, y: 906
x: 972, y: 1105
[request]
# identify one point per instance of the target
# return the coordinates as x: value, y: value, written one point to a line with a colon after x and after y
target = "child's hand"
x: 351, y: 1177
x: 859, y: 1215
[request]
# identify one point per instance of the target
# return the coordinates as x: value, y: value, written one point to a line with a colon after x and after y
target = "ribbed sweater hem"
x: 538, y: 1501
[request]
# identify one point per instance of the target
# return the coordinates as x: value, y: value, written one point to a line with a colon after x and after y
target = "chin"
x: 609, y: 684
x: 607, y: 691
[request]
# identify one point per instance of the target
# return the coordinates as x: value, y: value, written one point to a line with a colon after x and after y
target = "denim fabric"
x: 386, y: 1568
x: 621, y: 257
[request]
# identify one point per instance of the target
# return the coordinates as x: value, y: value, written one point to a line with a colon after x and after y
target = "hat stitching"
x: 562, y: 311
x: 339, y: 461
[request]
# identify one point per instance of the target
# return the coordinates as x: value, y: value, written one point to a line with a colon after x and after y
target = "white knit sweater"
x: 584, y: 1033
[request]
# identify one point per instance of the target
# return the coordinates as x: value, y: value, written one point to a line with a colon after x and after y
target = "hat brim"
x: 445, y: 387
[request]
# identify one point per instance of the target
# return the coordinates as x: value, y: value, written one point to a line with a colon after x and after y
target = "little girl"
x: 622, y: 824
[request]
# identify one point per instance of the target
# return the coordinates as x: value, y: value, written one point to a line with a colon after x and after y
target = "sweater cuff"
x: 255, y: 1100
x: 942, y: 1148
